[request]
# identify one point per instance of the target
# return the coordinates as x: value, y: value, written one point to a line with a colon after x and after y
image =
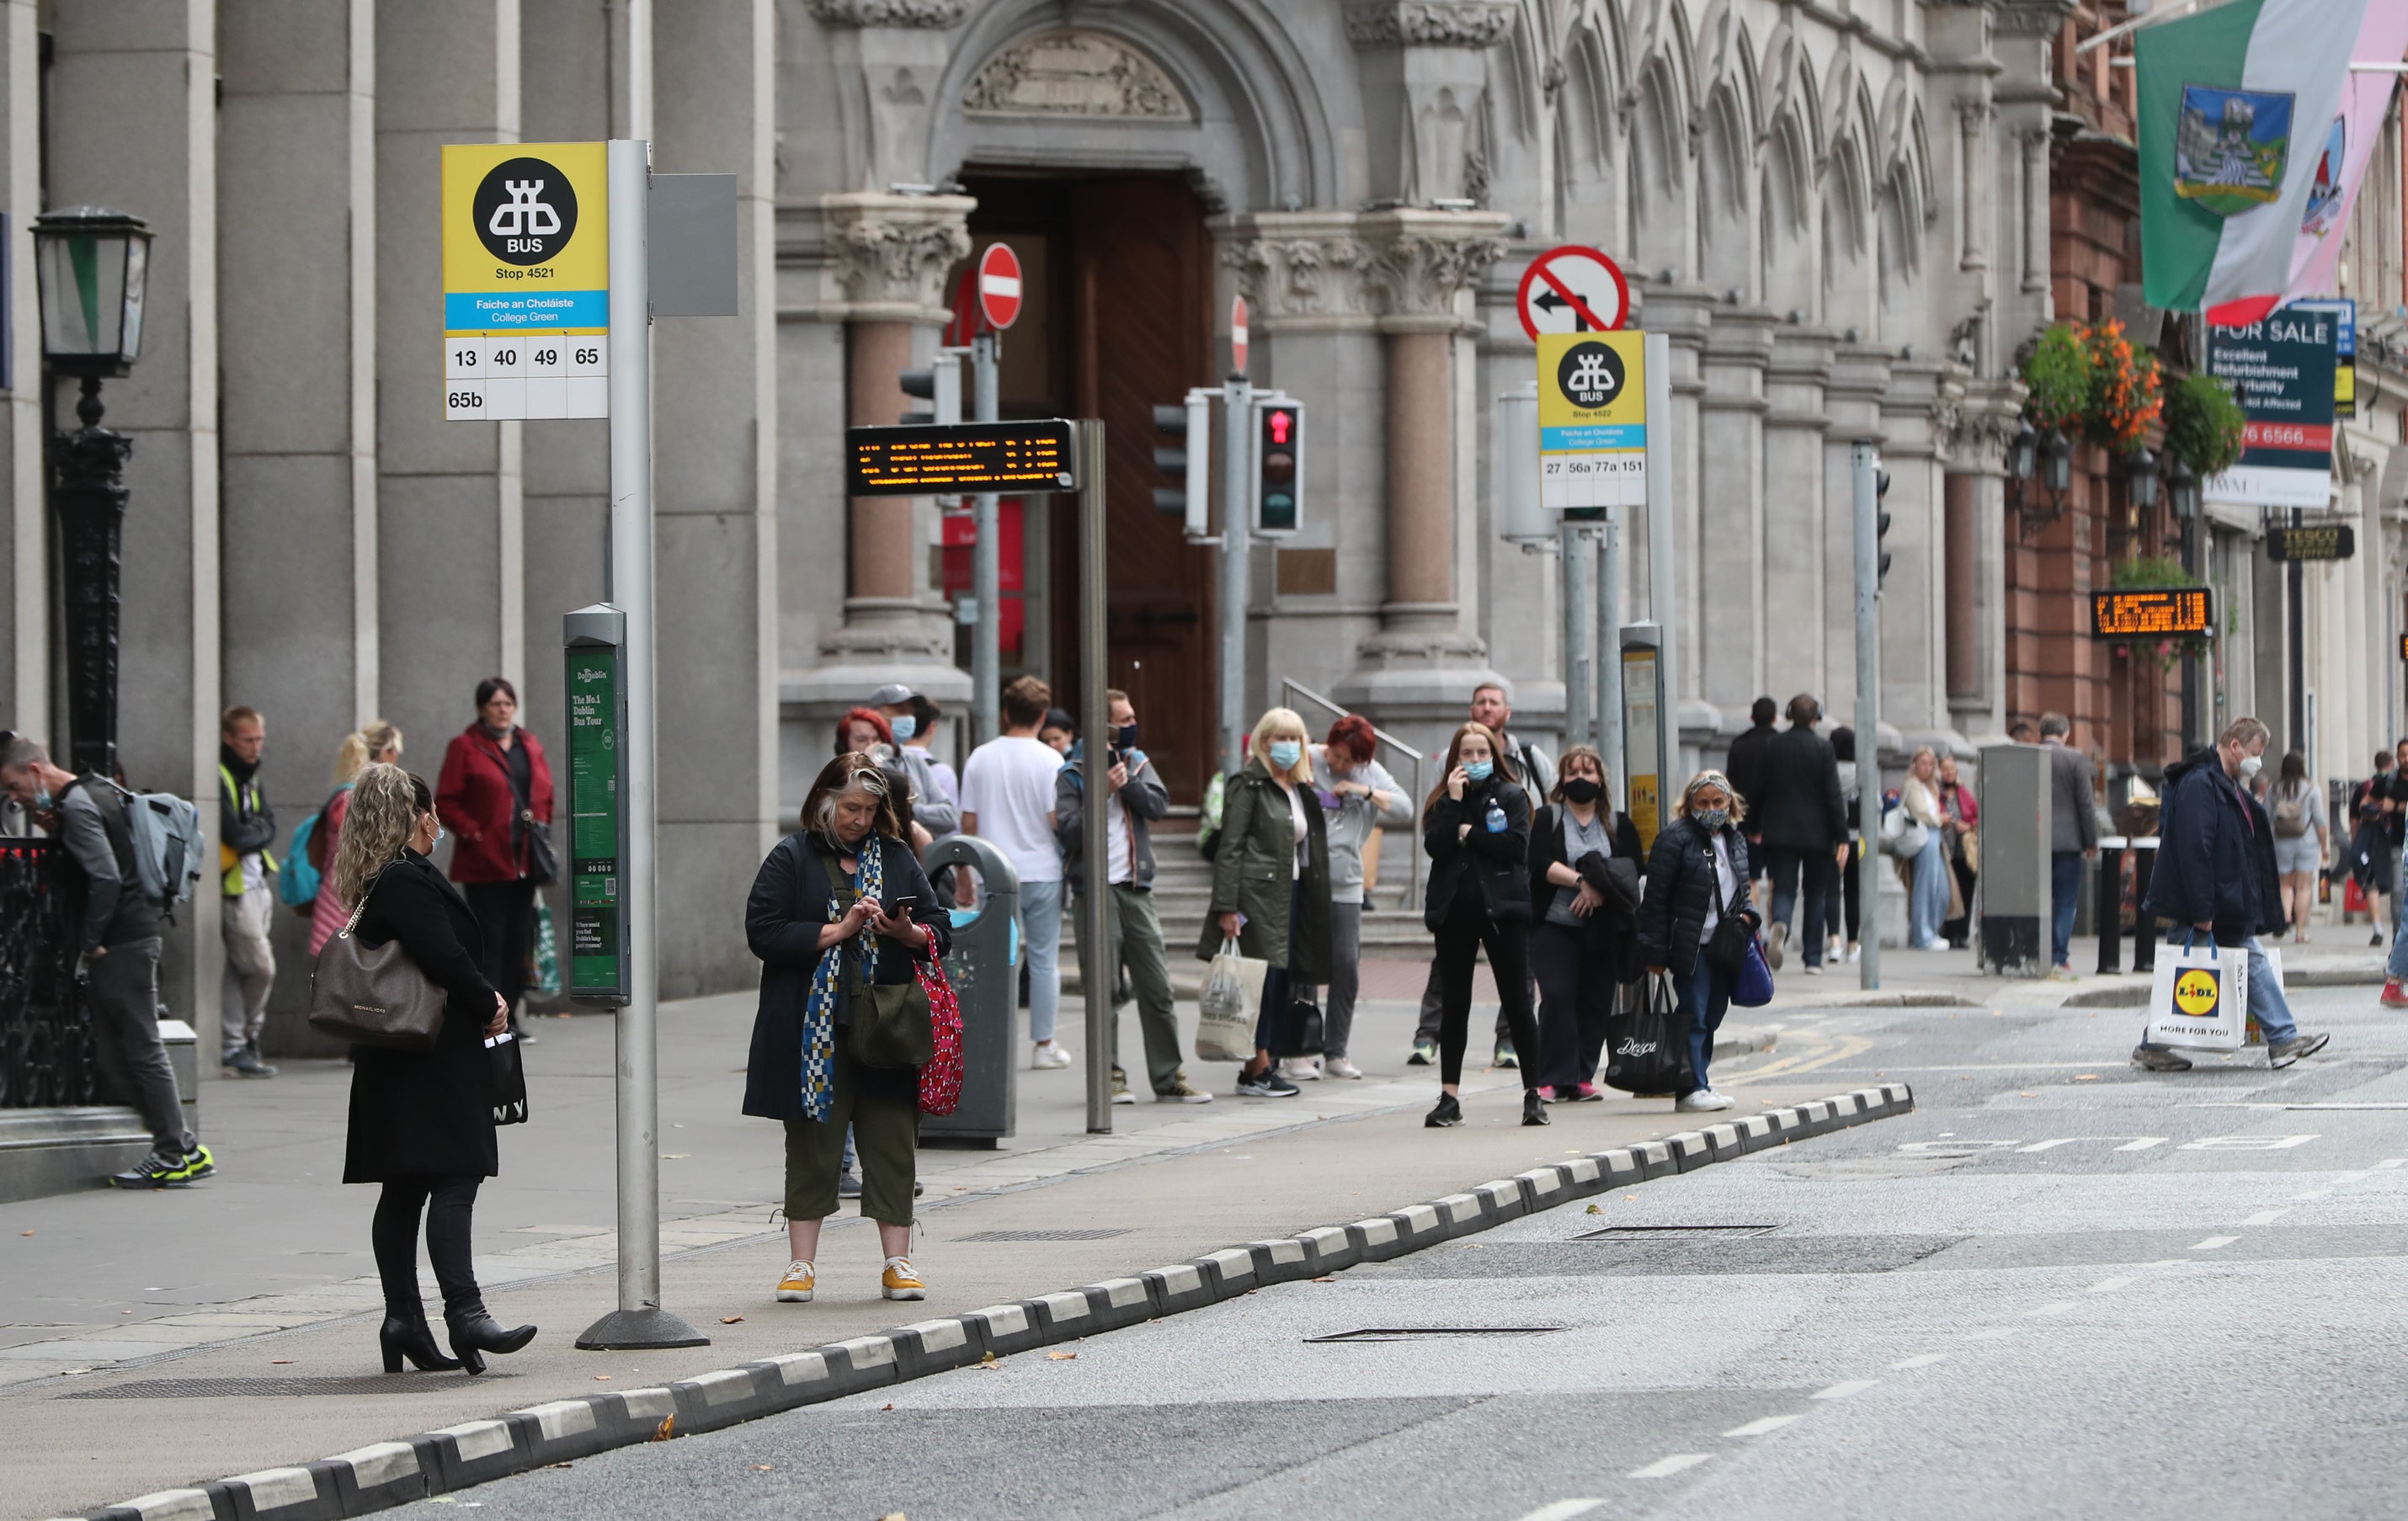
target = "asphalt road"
x: 2062, y: 1287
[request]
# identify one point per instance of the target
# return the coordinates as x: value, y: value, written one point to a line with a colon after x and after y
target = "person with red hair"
x: 864, y: 729
x: 1358, y: 798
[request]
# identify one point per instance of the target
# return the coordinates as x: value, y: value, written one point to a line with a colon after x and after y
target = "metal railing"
x: 46, y: 1058
x: 1289, y: 686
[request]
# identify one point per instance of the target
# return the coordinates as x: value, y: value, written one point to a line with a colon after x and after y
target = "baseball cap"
x: 893, y: 695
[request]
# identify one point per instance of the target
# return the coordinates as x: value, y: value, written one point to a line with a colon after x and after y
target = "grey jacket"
x: 2073, y: 816
x: 1531, y: 767
x: 115, y: 912
x: 930, y: 808
x: 1351, y: 823
x: 1142, y: 798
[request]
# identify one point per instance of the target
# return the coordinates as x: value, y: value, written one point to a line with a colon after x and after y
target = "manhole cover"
x: 1415, y: 1333
x: 1045, y: 1235
x: 1676, y: 1232
x: 245, y: 1389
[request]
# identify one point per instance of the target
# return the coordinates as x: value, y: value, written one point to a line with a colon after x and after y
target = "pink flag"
x: 2346, y: 145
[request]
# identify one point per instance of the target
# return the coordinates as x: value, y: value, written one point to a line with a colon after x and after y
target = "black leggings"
x: 506, y: 918
x: 447, y: 1202
x: 1460, y: 939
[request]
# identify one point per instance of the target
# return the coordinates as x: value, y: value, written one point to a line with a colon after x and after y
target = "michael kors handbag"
x: 373, y: 997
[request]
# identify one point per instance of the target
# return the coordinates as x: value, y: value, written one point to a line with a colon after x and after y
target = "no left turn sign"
x: 1573, y: 289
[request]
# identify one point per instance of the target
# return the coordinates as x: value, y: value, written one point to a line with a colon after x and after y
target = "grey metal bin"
x: 984, y: 967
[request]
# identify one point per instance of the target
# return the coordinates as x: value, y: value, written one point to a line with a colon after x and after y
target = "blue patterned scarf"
x: 818, y: 1013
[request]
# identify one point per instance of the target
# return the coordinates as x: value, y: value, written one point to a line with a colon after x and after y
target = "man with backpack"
x: 246, y: 828
x: 119, y: 941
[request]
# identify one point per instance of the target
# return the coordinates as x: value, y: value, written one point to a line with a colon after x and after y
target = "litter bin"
x: 984, y: 967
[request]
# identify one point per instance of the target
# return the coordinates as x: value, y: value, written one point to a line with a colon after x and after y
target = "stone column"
x: 1733, y: 518
x: 24, y: 626
x: 1977, y: 448
x: 1799, y: 518
x: 132, y: 98
x: 715, y: 455
x: 450, y: 541
x: 1688, y: 315
x: 889, y: 255
x: 1859, y: 377
x: 1422, y: 662
x: 1919, y: 407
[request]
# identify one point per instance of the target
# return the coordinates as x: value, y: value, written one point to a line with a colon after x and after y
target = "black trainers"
x: 848, y: 1185
x: 1267, y: 1083
x: 1534, y: 1108
x: 1505, y: 1056
x: 157, y: 1171
x: 2283, y: 1053
x: 1447, y: 1111
x: 199, y: 1163
x: 2157, y: 1058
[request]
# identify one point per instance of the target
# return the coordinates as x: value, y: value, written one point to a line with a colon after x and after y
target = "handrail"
x: 1413, y: 757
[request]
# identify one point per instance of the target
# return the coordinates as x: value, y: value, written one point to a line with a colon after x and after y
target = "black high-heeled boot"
x: 407, y: 1334
x: 474, y: 1332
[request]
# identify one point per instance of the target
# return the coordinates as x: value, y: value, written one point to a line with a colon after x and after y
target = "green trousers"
x: 1134, y: 941
x: 883, y: 1109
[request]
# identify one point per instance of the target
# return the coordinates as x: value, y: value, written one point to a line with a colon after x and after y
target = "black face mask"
x: 1584, y: 791
x: 1125, y: 736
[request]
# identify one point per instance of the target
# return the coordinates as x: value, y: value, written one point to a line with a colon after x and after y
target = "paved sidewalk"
x: 2336, y: 956
x: 264, y: 1273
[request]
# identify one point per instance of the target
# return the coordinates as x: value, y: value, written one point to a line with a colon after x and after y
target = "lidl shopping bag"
x: 2199, y: 998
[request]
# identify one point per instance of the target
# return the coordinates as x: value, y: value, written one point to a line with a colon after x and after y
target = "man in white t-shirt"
x: 1008, y: 802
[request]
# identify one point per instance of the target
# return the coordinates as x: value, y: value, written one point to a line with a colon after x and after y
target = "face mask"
x: 1285, y: 753
x: 1581, y: 790
x: 2250, y: 766
x: 1711, y: 818
x: 903, y: 727
x: 1479, y: 771
x: 1125, y: 736
x: 438, y: 836
x: 42, y: 801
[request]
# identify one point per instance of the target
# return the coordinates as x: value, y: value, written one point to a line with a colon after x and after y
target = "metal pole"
x: 2295, y: 589
x: 1608, y: 655
x: 640, y: 1321
x: 1574, y: 541
x: 2190, y: 724
x: 89, y: 494
x: 1236, y: 408
x: 1863, y: 461
x: 1663, y: 601
x: 1095, y: 673
x: 986, y: 564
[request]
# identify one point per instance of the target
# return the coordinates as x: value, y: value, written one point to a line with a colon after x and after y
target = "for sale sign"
x: 2281, y: 369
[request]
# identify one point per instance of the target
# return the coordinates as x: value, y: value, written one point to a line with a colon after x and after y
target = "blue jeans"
x: 1041, y: 928
x: 2397, y: 965
x: 1927, y: 901
x: 2064, y: 897
x: 1705, y: 998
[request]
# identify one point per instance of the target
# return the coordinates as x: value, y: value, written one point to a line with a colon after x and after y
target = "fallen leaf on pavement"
x: 28, y: 1232
x: 757, y: 1468
x: 886, y: 1407
x: 731, y: 1320
x: 668, y: 1429
x: 2029, y: 1093
x: 675, y: 1155
x: 1324, y: 1280
x: 2086, y: 1077
x: 279, y: 1362
x: 1050, y: 1356
x: 601, y: 1378
x: 1594, y: 1210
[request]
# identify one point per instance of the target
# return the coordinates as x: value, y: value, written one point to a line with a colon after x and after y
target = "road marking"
x: 1991, y: 1334
x: 2389, y: 1162
x: 1563, y: 1510
x: 2108, y: 1286
x: 2213, y: 1244
x: 2133, y: 1143
x: 2245, y: 1143
x: 1921, y: 1359
x: 2266, y: 1216
x: 1664, y: 1468
x: 1844, y: 1388
x: 1759, y: 1426
x: 2058, y: 1309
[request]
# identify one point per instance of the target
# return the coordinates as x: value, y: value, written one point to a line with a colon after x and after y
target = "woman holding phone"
x: 837, y: 908
x: 1476, y: 827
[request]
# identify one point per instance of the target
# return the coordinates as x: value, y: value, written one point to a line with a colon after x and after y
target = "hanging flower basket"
x: 2087, y: 381
x: 2204, y: 425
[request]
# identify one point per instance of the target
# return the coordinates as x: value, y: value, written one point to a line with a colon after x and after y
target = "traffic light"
x: 1187, y: 459
x: 1881, y: 525
x: 940, y: 385
x: 1279, y: 465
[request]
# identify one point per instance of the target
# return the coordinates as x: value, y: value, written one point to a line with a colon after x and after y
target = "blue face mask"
x: 904, y: 727
x: 1285, y: 753
x: 1711, y: 818
x: 42, y: 801
x: 1479, y: 771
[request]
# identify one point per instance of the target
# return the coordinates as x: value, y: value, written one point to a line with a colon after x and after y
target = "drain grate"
x: 1676, y: 1232
x: 1416, y: 1333
x: 251, y: 1388
x: 1047, y: 1235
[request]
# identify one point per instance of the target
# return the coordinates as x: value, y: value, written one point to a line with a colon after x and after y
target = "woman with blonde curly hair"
x: 422, y: 1122
x: 373, y: 744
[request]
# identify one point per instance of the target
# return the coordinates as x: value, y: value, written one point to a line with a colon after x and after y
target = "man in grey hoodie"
x: 118, y: 943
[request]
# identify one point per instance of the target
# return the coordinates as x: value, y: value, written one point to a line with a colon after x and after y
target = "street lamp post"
x: 2182, y: 491
x: 90, y: 265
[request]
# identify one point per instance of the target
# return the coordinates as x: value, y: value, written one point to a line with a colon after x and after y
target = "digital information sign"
x: 2158, y: 613
x: 597, y: 831
x: 969, y: 457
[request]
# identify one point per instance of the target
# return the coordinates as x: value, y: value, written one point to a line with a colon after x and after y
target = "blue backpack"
x: 297, y: 884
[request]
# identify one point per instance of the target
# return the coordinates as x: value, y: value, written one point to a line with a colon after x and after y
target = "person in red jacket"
x: 496, y: 789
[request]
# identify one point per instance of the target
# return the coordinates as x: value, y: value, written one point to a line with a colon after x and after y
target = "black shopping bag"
x: 1302, y: 1036
x: 508, y: 1079
x: 1647, y: 1042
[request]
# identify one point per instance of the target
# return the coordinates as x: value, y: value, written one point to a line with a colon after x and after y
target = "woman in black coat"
x: 1695, y: 874
x: 1585, y: 863
x: 839, y: 907
x: 1476, y: 827
x: 422, y: 1122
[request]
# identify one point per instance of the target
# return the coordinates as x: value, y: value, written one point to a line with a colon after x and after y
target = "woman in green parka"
x: 1270, y: 886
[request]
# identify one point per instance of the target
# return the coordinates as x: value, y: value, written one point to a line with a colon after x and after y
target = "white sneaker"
x: 1855, y: 953
x: 795, y: 1287
x: 1701, y: 1102
x: 1047, y: 1054
x: 1340, y: 1067
x: 1814, y: 971
x: 1302, y: 1069
x: 1837, y: 951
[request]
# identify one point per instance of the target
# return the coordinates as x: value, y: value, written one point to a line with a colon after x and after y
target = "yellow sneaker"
x: 900, y: 1280
x: 795, y: 1287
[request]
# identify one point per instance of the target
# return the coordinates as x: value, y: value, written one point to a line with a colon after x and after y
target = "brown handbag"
x: 373, y: 996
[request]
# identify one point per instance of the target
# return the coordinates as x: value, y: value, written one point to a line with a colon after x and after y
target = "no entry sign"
x: 998, y: 285
x: 1573, y: 289
x: 1238, y: 339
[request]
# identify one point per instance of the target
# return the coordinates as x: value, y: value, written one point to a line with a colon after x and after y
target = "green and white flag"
x: 2234, y: 104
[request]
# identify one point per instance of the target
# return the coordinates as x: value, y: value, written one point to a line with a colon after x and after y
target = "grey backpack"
x: 165, y: 830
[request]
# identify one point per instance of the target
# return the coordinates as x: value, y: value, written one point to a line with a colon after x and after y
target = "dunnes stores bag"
x: 2199, y: 999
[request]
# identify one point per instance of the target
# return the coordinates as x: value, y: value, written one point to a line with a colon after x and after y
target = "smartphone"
x: 902, y: 908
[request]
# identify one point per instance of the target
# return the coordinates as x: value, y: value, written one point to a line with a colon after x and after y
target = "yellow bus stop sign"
x: 526, y: 280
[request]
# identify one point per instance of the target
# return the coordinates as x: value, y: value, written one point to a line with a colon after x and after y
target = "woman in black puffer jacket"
x: 1476, y: 827
x: 1696, y: 874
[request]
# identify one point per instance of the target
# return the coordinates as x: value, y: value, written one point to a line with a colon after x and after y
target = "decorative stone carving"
x: 1071, y: 71
x: 892, y: 253
x: 1292, y: 277
x: 1420, y: 260
x: 1430, y: 24
x: 933, y: 15
x: 2030, y: 18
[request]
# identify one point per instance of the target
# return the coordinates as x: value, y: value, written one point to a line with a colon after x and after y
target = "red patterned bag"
x: 941, y: 1080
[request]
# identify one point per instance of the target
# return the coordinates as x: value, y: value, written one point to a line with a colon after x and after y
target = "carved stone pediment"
x: 1072, y: 71
x: 892, y: 253
x: 1430, y: 24
x: 933, y: 15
